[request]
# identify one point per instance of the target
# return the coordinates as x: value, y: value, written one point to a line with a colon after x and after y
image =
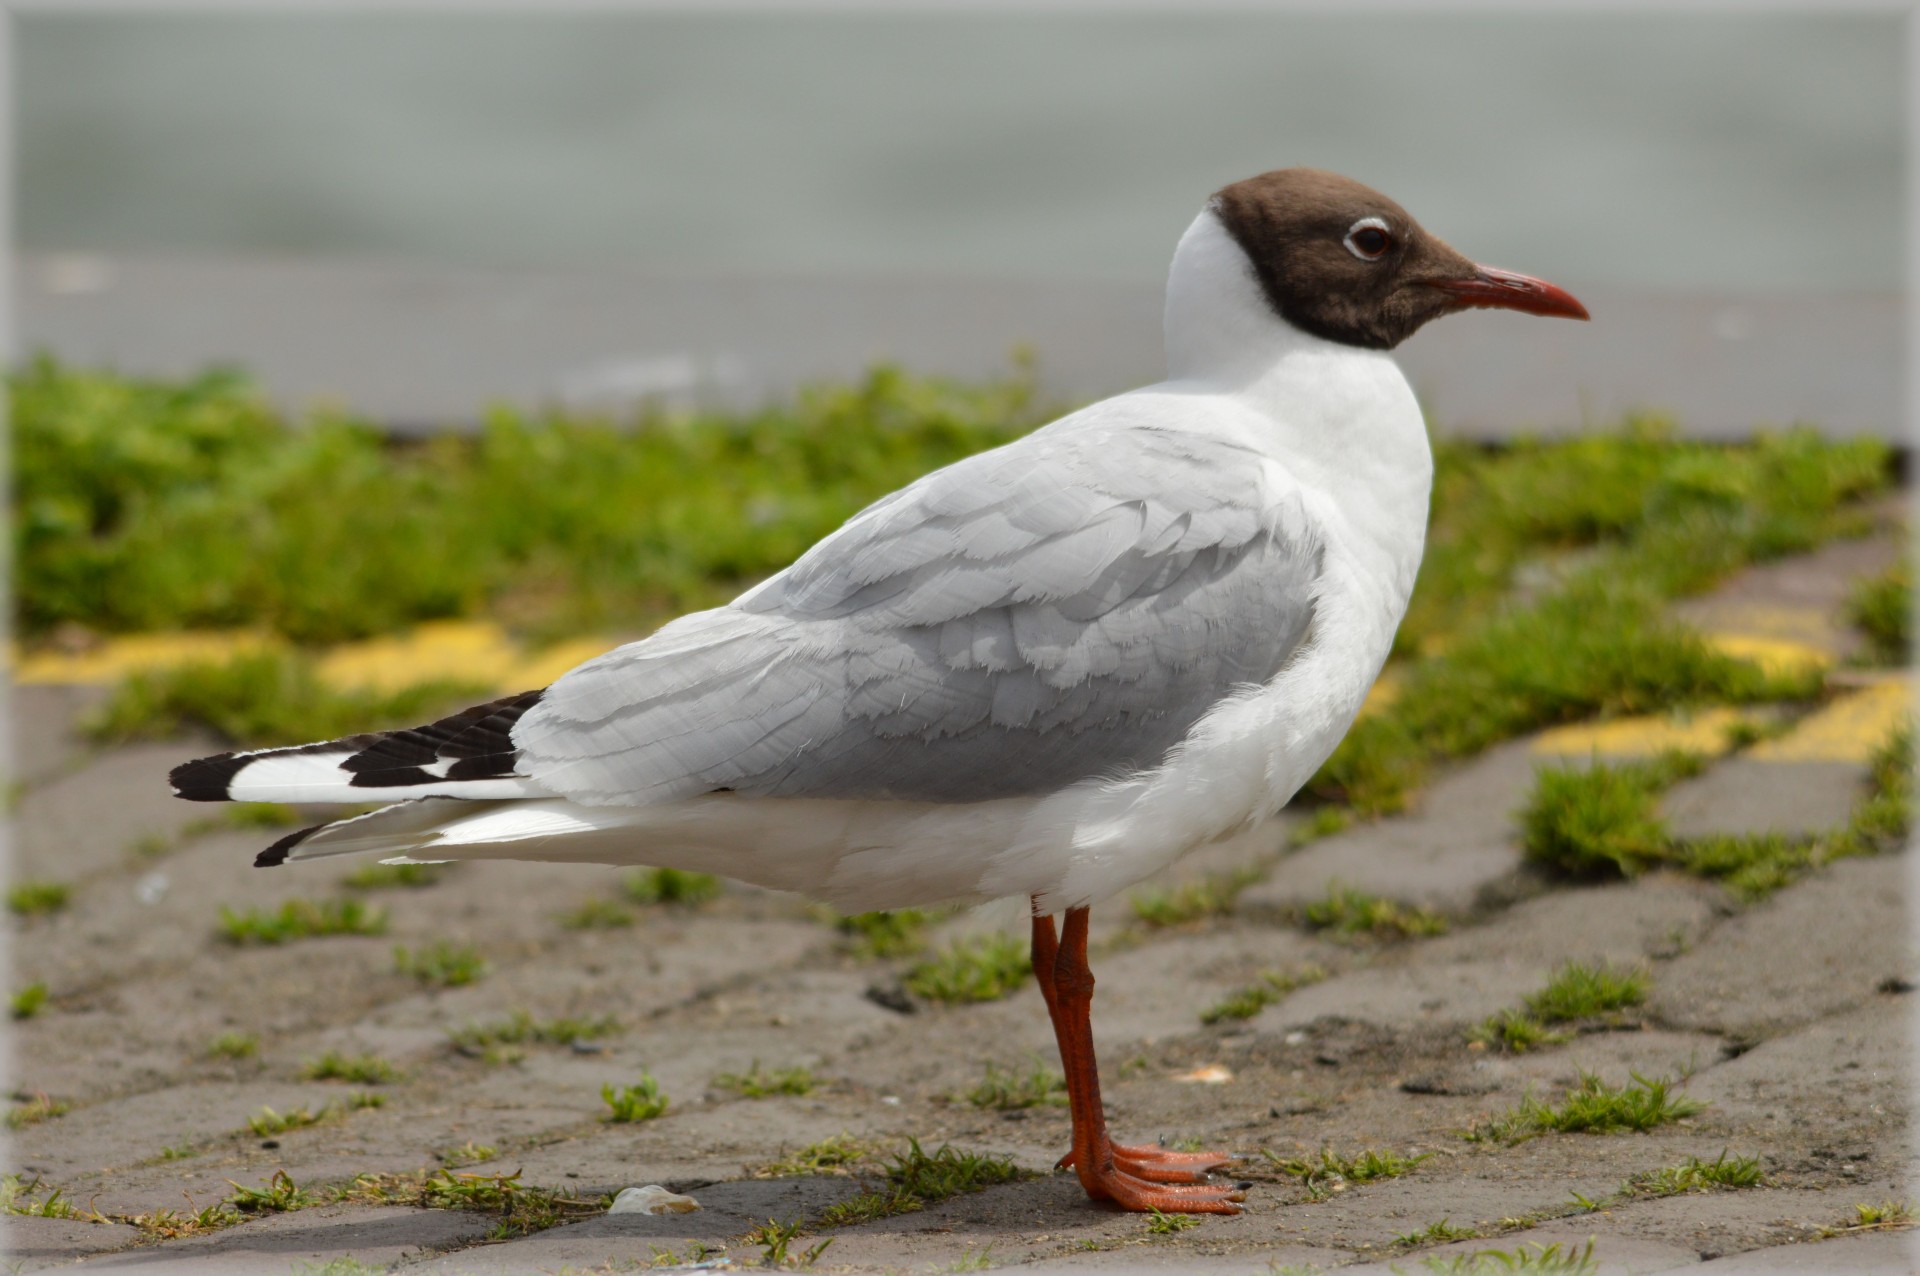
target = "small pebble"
x: 651, y: 1199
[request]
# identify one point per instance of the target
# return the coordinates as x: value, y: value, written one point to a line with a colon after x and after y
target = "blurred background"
x: 415, y: 214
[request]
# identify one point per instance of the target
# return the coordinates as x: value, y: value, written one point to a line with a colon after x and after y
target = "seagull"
x: 1045, y: 671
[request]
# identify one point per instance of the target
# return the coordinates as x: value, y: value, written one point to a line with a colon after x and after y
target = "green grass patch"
x: 37, y: 897
x: 501, y: 1041
x: 1601, y: 820
x: 144, y: 505
x: 300, y: 919
x: 519, y: 1209
x: 1882, y: 607
x: 1188, y: 902
x: 279, y: 1195
x: 28, y: 1001
x: 1578, y: 990
x: 1356, y: 914
x: 440, y: 964
x: 1516, y: 1032
x: 1696, y: 1175
x: 596, y: 914
x: 1878, y: 1216
x: 259, y: 815
x: 836, y: 1156
x: 900, y: 932
x: 1272, y: 985
x: 268, y: 1122
x: 641, y: 1101
x: 1329, y: 1172
x: 1435, y: 1234
x: 1592, y: 1107
x: 980, y: 968
x: 671, y: 886
x: 234, y: 1045
x: 775, y: 1240
x: 362, y: 1069
x: 15, y: 1195
x: 1159, y: 1224
x: 1533, y: 1259
x: 386, y: 877
x: 1011, y: 1090
x: 761, y: 1083
x: 917, y: 1178
x: 268, y: 697
x: 35, y: 1109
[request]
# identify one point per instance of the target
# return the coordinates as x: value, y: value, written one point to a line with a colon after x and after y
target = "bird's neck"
x: 1342, y: 417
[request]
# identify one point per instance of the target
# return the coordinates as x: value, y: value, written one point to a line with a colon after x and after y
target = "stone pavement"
x: 1788, y: 1018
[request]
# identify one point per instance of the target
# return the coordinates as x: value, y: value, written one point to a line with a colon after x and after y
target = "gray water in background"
x: 1702, y: 153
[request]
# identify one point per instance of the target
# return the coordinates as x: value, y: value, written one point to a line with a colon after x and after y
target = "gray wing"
x: 1064, y: 607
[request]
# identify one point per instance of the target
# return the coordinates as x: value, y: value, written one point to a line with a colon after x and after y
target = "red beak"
x: 1508, y: 291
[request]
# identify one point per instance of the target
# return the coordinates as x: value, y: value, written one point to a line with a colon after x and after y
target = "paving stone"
x: 35, y: 1243
x: 1747, y: 796
x: 1457, y: 844
x: 285, y: 1243
x: 1612, y: 1256
x: 1872, y: 1254
x: 46, y: 740
x: 1819, y: 946
x: 1801, y: 599
x: 68, y: 828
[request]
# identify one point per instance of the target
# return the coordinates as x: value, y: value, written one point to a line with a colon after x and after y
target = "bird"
x: 1045, y: 671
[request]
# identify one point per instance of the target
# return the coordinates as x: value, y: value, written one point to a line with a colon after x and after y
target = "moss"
x: 1355, y: 913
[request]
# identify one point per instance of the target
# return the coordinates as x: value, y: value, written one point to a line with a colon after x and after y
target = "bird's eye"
x: 1368, y: 239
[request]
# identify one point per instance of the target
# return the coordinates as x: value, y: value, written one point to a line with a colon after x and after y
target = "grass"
x: 1591, y: 1107
x: 441, y: 964
x: 775, y: 1240
x: 1329, y: 1172
x: 362, y: 1069
x: 641, y: 1101
x: 386, y: 877
x: 1696, y: 1175
x: 145, y: 505
x: 1581, y: 991
x: 1601, y: 820
x: 759, y: 1083
x: 28, y: 1001
x: 300, y: 919
x: 36, y: 897
x: 1272, y: 985
x: 836, y: 1155
x: 1188, y: 902
x: 1355, y: 913
x: 1159, y: 1224
x: 876, y: 936
x: 1601, y: 823
x: 596, y: 914
x: 1435, y: 1234
x: 1014, y: 1091
x: 1533, y: 1259
x: 268, y: 1122
x: 671, y: 886
x: 14, y: 1194
x: 234, y: 1045
x: 260, y: 698
x: 498, y: 1042
x: 979, y: 968
x: 519, y: 1209
x: 1880, y: 1216
x: 280, y: 1195
x: 1882, y: 607
x: 35, y: 1109
x: 917, y: 1178
x: 1516, y: 1032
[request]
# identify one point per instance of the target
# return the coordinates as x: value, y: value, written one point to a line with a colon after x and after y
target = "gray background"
x: 416, y: 213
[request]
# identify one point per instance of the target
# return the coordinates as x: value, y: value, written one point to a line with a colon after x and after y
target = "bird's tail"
x: 468, y: 755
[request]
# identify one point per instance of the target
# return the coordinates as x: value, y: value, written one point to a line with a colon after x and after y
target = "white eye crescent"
x: 1369, y: 239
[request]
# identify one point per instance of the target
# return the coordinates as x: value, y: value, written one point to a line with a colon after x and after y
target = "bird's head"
x: 1344, y: 262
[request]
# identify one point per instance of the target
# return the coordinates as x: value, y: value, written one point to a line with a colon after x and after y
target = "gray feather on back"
x: 1064, y: 607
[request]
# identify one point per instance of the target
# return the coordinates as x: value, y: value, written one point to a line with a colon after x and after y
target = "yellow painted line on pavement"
x: 1848, y: 729
x: 454, y: 650
x: 1707, y: 732
x: 1775, y: 656
x: 115, y: 658
x: 1808, y: 627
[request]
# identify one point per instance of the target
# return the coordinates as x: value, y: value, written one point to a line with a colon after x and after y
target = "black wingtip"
x: 207, y: 779
x: 276, y: 855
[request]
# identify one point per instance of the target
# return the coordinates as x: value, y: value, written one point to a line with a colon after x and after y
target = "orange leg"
x: 1136, y: 1178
